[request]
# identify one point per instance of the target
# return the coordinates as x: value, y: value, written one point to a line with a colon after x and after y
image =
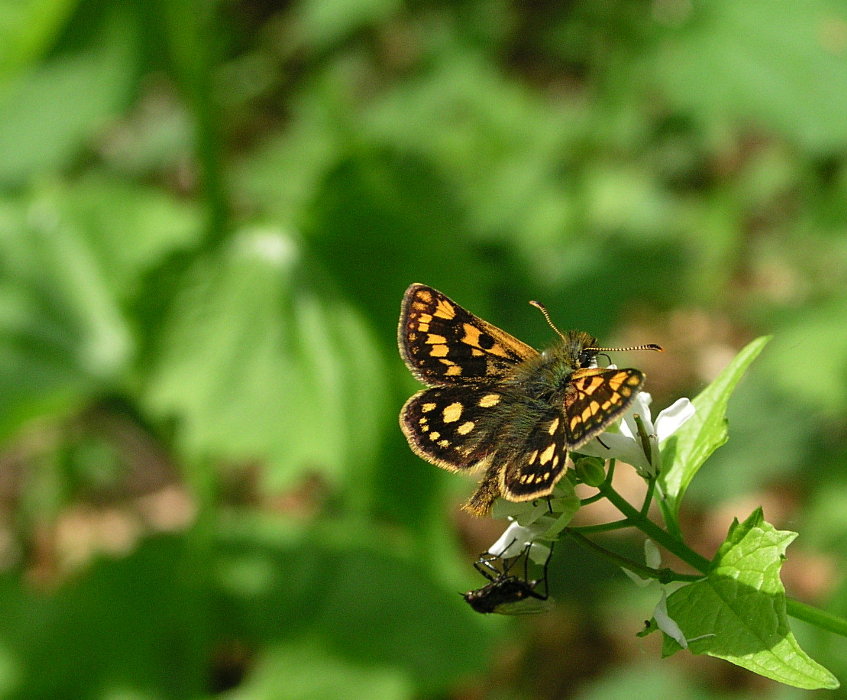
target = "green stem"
x: 603, y: 527
x: 648, y: 497
x: 654, y: 532
x: 195, y: 581
x: 671, y: 523
x: 801, y: 611
x: 670, y: 541
x: 194, y: 36
x: 661, y: 575
x: 816, y: 617
x: 591, y: 499
x: 610, y: 473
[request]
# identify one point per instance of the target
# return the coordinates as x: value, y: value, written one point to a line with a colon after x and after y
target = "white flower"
x: 516, y: 538
x: 544, y: 517
x: 664, y: 622
x: 653, y: 559
x: 628, y: 445
x: 534, y: 524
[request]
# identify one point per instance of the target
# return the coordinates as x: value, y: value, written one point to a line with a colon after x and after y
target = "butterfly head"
x: 582, y: 347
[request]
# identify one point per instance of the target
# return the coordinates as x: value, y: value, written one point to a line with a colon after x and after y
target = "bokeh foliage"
x: 208, y: 214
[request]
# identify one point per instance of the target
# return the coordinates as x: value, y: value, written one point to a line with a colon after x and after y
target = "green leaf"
x: 65, y: 280
x: 309, y: 669
x: 259, y: 359
x: 62, y: 333
x: 738, y: 612
x: 27, y: 27
x: 685, y: 452
x: 102, y: 633
x: 705, y: 69
x: 326, y: 22
x: 821, y: 383
x: 349, y: 599
x: 44, y: 124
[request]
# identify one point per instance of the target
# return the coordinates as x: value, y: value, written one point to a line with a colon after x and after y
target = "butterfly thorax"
x: 546, y: 376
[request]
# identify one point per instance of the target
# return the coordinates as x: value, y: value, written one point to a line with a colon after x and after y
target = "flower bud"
x: 590, y: 470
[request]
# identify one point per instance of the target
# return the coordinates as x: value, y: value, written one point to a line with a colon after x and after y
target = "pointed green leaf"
x: 738, y: 612
x: 65, y: 283
x: 62, y: 333
x: 684, y: 452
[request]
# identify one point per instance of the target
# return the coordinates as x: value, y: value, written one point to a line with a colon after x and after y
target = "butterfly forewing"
x: 596, y: 398
x: 442, y: 343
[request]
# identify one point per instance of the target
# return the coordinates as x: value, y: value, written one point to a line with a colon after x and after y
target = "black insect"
x: 507, y: 594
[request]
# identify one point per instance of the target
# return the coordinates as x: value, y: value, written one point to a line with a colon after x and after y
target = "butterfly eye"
x: 588, y: 358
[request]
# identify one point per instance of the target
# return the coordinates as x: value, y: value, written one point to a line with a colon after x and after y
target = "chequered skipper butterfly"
x: 496, y: 405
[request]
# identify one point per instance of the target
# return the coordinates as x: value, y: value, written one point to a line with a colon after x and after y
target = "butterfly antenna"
x: 648, y: 346
x: 543, y: 309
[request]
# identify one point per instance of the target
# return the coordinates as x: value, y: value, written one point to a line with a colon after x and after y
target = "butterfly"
x: 497, y: 406
x: 506, y: 593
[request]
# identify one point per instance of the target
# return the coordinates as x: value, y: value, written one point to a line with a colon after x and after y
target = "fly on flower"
x: 498, y: 407
x: 507, y: 594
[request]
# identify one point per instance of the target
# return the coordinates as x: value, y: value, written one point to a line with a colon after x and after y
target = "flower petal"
x: 641, y: 406
x: 666, y: 624
x: 637, y: 580
x: 620, y: 447
x: 652, y: 555
x: 671, y: 418
x: 513, y: 541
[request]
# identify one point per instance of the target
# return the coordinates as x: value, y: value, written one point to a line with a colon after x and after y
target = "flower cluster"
x: 639, y: 441
x: 534, y: 526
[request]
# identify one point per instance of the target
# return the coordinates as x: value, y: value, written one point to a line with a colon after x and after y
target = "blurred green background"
x: 209, y: 212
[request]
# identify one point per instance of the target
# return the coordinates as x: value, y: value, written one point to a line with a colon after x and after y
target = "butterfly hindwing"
x: 451, y: 426
x: 444, y: 344
x: 532, y: 470
x: 595, y: 398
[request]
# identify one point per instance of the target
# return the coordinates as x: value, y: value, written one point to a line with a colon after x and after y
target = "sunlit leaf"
x: 26, y: 29
x: 44, y: 120
x: 738, y: 611
x: 685, y: 452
